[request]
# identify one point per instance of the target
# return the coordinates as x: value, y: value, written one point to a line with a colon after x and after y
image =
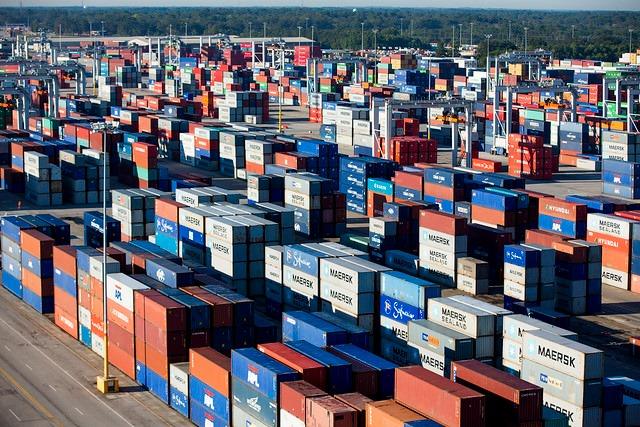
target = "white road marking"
x: 53, y: 362
x: 52, y: 388
x: 79, y: 411
x: 29, y: 367
x: 14, y: 414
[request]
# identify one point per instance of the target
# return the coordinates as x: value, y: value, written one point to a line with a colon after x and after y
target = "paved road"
x: 48, y: 379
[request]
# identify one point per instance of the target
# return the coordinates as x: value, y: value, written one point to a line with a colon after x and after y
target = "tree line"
x: 602, y: 35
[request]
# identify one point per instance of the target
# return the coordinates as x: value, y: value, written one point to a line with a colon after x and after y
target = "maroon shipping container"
x: 363, y: 377
x: 294, y: 396
x: 329, y: 412
x: 170, y: 343
x: 438, y: 398
x: 311, y: 371
x: 509, y: 399
x: 221, y: 309
x: 358, y: 402
x: 165, y: 313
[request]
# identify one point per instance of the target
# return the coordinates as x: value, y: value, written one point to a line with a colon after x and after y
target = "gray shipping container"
x: 514, y: 325
x: 440, y: 340
x: 575, y: 359
x: 582, y: 393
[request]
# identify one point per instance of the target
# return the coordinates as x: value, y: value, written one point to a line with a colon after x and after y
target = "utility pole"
x: 453, y: 41
x: 488, y: 36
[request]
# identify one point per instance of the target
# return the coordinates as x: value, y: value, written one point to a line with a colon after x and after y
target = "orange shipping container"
x: 212, y: 368
x: 37, y: 244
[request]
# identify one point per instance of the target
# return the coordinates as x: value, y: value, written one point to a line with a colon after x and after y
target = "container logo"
x: 96, y: 225
x: 252, y: 377
x: 160, y: 275
x: 164, y: 226
x: 430, y: 339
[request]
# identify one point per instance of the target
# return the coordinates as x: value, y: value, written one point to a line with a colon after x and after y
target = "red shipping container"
x: 439, y: 398
x: 64, y: 259
x: 122, y: 360
x: 172, y: 343
x: 65, y: 301
x: 168, y: 209
x: 165, y: 313
x: 443, y: 191
x: 36, y: 243
x: 443, y: 222
x: 65, y: 321
x: 512, y: 400
x: 329, y: 412
x: 39, y: 286
x: 541, y: 237
x: 294, y: 396
x: 563, y: 209
x: 570, y: 252
x: 486, y: 165
x: 311, y: 371
x: 493, y: 216
x: 358, y: 402
x: 212, y: 368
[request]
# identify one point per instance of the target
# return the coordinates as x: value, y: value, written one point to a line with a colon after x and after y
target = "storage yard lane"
x: 48, y: 379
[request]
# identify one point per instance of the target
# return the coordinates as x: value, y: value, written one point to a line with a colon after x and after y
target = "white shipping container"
x: 442, y: 241
x: 288, y: 420
x: 300, y: 282
x: 226, y: 229
x: 578, y: 417
x: 582, y: 393
x: 394, y: 328
x: 348, y: 300
x: 610, y: 225
x: 514, y: 325
x: 520, y: 291
x: 437, y: 259
x: 348, y: 275
x: 121, y: 288
x: 460, y: 317
x: 179, y: 377
x: 576, y: 359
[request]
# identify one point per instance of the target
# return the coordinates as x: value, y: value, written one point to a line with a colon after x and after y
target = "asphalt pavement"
x: 47, y: 378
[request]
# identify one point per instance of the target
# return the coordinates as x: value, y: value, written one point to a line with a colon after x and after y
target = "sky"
x: 502, y: 4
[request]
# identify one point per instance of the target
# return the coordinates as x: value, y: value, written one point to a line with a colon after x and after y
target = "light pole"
x: 630, y: 38
x: 186, y: 29
x: 362, y: 33
x: 306, y: 24
x: 411, y: 28
x: 471, y: 34
x: 313, y: 27
x: 299, y: 35
x: 102, y: 24
x: 264, y: 30
x: 250, y: 31
x: 453, y: 41
x: 573, y: 32
x: 509, y: 31
x: 488, y: 37
x: 525, y: 40
x: 105, y: 383
x: 460, y: 26
x: 375, y: 42
x: 401, y: 26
